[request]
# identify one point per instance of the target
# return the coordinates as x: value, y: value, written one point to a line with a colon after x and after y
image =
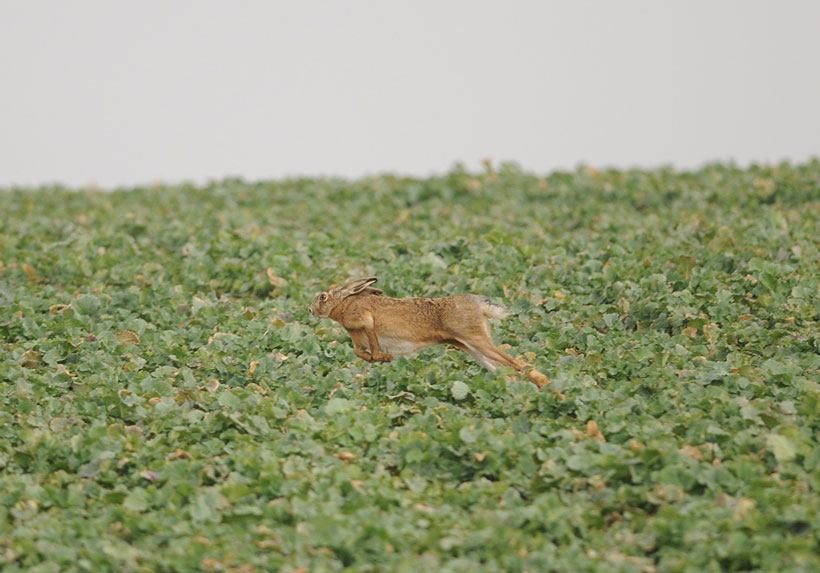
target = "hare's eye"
x: 323, y: 297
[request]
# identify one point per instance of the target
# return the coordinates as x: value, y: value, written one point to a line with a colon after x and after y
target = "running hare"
x: 382, y: 326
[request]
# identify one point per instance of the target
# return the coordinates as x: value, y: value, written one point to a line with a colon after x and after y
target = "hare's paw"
x: 383, y: 357
x: 363, y: 354
x: 538, y: 378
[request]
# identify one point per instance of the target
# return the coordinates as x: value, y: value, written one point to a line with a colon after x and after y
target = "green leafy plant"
x: 168, y: 403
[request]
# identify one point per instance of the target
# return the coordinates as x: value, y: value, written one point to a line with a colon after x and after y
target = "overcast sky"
x: 125, y: 93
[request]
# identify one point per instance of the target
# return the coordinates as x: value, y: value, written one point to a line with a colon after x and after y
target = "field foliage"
x: 169, y: 404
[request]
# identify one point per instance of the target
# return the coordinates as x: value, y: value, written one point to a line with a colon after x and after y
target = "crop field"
x: 169, y: 403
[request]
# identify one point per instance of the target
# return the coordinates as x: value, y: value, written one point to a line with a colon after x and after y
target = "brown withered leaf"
x: 709, y: 331
x: 128, y: 337
x: 55, y: 308
x: 267, y: 543
x: 252, y: 368
x: 263, y: 529
x: 274, y: 280
x: 178, y: 454
x: 692, y: 451
x: 593, y: 431
x: 30, y: 272
x: 255, y: 387
x: 61, y: 369
x: 31, y: 359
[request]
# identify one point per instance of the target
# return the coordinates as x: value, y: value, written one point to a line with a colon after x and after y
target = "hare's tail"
x: 491, y: 309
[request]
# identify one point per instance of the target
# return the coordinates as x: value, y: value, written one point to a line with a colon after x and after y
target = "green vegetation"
x: 168, y: 403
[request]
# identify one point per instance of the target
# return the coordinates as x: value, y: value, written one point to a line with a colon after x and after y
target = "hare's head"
x: 327, y: 300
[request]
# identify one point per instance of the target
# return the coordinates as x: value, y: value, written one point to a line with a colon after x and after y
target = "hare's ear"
x: 357, y: 286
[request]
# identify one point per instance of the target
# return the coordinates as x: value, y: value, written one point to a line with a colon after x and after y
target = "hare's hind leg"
x: 488, y: 354
x: 501, y: 357
x: 482, y: 359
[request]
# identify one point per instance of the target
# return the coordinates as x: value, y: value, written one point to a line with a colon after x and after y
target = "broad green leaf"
x: 459, y: 390
x: 136, y: 500
x: 781, y: 447
x: 468, y: 434
x: 338, y: 405
x: 206, y: 505
x: 229, y: 400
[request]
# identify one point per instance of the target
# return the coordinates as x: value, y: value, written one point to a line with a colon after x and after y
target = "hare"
x: 382, y: 326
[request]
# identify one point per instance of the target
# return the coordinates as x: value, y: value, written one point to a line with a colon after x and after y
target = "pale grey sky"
x: 126, y: 93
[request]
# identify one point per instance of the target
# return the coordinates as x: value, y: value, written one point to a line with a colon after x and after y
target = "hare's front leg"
x: 373, y: 341
x: 378, y: 356
x: 360, y: 344
x: 361, y: 328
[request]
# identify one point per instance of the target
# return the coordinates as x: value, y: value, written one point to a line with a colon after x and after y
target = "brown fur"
x: 381, y: 326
